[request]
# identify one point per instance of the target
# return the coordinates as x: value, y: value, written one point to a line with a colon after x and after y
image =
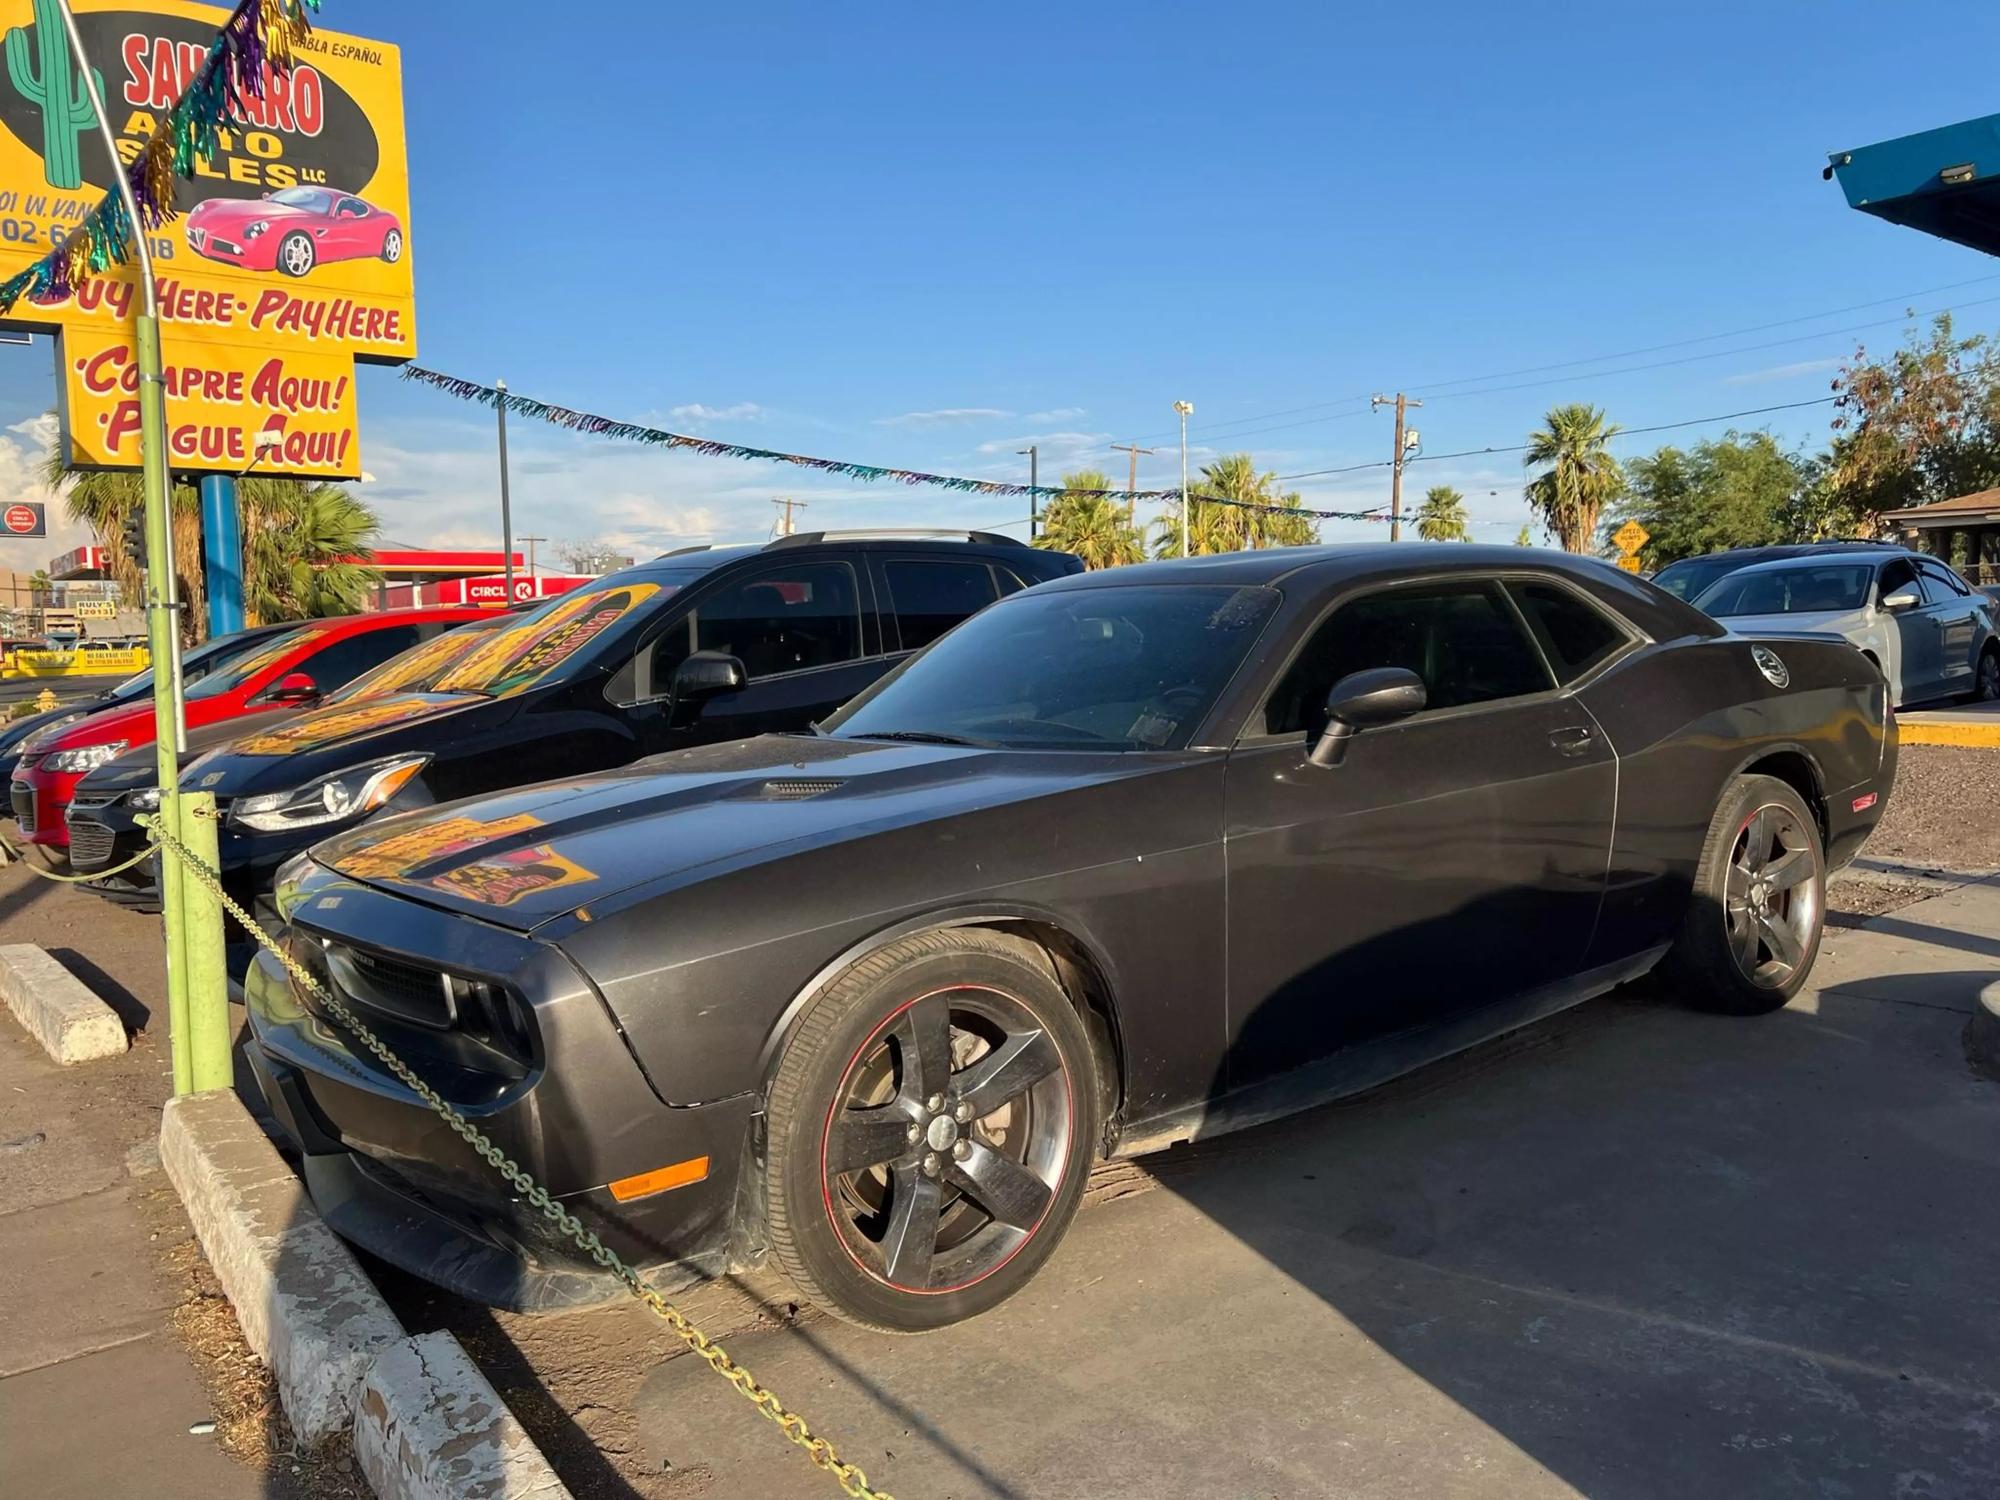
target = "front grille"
x: 90, y: 845
x: 407, y: 991
x: 24, y: 806
x: 196, y: 236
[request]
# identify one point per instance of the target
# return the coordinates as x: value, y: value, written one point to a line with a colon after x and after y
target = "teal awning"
x: 1945, y: 182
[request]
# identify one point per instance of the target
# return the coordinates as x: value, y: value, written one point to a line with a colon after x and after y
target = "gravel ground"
x: 1944, y: 812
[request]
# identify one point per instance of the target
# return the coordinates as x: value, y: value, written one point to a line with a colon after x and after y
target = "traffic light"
x: 134, y: 532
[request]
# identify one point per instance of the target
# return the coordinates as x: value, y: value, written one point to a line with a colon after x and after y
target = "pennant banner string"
x: 255, y: 42
x: 634, y: 432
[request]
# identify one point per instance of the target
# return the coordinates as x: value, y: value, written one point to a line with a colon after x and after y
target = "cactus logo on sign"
x: 41, y: 70
x: 291, y: 258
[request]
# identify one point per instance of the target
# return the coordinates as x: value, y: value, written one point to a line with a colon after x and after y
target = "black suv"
x: 699, y: 645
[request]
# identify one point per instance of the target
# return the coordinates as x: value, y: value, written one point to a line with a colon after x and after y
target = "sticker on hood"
x: 400, y: 853
x: 314, y: 730
x: 507, y: 877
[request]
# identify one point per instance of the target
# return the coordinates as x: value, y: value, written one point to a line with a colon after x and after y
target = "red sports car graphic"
x: 293, y: 230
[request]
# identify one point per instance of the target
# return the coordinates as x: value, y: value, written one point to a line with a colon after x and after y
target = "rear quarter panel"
x: 1687, y: 716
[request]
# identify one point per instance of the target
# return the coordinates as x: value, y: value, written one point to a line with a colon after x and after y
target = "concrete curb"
x: 1982, y: 1033
x: 305, y: 1305
x: 71, y: 1023
x: 430, y: 1427
x: 1962, y: 734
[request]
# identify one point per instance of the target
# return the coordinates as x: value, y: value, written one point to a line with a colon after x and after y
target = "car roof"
x: 702, y: 559
x: 1822, y: 559
x: 1748, y: 556
x: 382, y: 618
x: 1330, y: 564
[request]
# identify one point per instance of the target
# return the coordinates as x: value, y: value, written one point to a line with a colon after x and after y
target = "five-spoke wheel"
x: 930, y: 1130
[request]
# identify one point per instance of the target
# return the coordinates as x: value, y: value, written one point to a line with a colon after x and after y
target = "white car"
x: 1931, y: 633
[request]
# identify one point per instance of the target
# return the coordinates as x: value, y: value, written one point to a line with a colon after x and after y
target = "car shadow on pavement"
x: 1654, y: 1251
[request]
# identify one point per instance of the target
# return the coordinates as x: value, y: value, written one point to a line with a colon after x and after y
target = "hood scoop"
x: 795, y: 788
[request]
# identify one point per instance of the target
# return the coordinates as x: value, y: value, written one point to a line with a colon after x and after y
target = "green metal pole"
x: 207, y: 963
x: 162, y: 606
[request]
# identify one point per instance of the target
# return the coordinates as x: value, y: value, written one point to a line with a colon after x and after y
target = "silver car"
x: 1930, y: 631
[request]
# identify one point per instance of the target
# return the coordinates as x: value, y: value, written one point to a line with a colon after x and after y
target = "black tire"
x: 1707, y: 963
x: 865, y: 1036
x: 392, y: 246
x: 1986, y: 676
x: 296, y: 254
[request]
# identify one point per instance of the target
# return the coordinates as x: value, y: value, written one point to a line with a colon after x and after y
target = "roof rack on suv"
x: 896, y: 534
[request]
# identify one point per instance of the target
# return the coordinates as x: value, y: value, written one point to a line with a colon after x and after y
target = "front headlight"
x: 346, y: 794
x: 146, y: 799
x: 85, y: 758
x: 256, y: 229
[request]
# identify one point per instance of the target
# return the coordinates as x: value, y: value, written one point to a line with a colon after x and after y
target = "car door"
x: 1960, y: 625
x: 1919, y: 664
x: 347, y: 231
x: 923, y: 597
x: 806, y: 633
x: 1451, y: 860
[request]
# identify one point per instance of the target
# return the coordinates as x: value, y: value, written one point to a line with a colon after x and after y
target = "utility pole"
x: 1034, y: 483
x: 1404, y: 442
x: 531, y: 540
x: 1186, y: 410
x: 506, y: 510
x: 785, y: 521
x: 1132, y: 479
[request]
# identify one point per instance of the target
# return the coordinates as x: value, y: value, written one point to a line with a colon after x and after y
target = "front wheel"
x: 1986, y: 678
x: 392, y: 246
x: 930, y: 1129
x: 296, y: 255
x: 1758, y: 905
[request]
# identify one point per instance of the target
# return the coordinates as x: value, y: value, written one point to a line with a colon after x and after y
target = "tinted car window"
x: 1125, y: 667
x: 1575, y: 636
x: 1687, y: 578
x: 1460, y: 638
x: 228, y: 679
x: 784, y: 619
x: 1802, y: 588
x: 348, y: 658
x: 931, y: 597
x: 1943, y: 582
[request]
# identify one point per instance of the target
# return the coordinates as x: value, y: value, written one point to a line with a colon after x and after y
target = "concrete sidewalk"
x: 96, y: 1393
x: 1637, y: 1251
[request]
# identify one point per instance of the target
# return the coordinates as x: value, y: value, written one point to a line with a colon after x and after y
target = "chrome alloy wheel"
x: 946, y: 1141
x: 1772, y: 896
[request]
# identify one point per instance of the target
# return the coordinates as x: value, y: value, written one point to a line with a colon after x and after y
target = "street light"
x: 1033, y: 452
x: 1186, y: 409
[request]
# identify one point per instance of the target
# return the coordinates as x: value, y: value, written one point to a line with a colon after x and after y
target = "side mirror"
x: 293, y: 687
x: 704, y: 674
x: 1901, y: 600
x: 1365, y: 700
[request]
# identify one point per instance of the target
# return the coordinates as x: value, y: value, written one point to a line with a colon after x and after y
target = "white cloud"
x: 1060, y: 414
x: 1055, y: 446
x: 742, y: 411
x: 22, y: 451
x: 1783, y: 372
x: 944, y: 416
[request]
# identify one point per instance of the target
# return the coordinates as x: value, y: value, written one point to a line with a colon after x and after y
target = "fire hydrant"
x: 45, y: 700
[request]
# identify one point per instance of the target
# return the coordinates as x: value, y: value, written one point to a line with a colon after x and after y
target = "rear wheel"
x: 1754, y: 918
x: 930, y: 1128
x: 1986, y: 678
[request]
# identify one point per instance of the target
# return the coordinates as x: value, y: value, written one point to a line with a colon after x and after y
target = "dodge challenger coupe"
x: 1129, y: 858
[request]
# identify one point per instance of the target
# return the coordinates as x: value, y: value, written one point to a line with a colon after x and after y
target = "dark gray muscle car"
x: 1129, y: 858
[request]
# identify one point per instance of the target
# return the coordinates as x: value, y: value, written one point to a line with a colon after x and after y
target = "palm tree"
x: 1092, y: 526
x: 1232, y: 528
x: 305, y: 543
x: 1441, y: 518
x: 1579, y: 476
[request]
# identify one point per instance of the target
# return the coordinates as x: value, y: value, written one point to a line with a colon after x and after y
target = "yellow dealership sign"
x: 291, y: 258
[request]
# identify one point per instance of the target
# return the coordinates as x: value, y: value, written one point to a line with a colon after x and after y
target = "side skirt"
x: 1358, y: 1069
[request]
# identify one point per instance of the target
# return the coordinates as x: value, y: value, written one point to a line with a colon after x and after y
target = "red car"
x: 291, y: 670
x: 293, y: 230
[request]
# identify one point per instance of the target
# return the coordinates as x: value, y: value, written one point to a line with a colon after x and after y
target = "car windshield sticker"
x: 417, y: 667
x: 518, y: 658
x: 507, y: 877
x: 403, y: 852
x: 314, y: 730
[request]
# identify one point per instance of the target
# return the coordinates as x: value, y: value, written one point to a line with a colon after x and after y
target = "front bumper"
x: 390, y: 1175
x: 40, y: 800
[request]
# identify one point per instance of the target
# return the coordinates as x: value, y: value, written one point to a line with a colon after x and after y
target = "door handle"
x: 1572, y: 739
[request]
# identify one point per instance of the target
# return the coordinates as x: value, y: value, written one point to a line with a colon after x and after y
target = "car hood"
x: 1841, y: 622
x: 139, y: 766
x: 236, y: 213
x: 16, y: 732
x: 344, y: 725
x: 523, y: 857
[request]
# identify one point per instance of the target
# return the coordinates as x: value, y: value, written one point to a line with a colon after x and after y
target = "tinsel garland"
x: 634, y: 432
x: 258, y: 33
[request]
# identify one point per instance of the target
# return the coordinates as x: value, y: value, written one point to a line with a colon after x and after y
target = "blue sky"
x: 929, y: 236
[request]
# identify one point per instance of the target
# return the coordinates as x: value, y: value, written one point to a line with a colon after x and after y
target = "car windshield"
x: 312, y: 198
x: 1802, y: 589
x: 418, y: 669
x: 246, y: 667
x: 547, y: 644
x: 1688, y: 578
x: 1118, y: 667
x: 195, y: 663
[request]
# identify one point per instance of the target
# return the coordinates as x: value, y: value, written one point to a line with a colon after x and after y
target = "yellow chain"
x: 33, y: 869
x: 850, y: 1478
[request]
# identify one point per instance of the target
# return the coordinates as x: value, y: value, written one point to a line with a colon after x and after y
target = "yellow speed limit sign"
x: 1629, y: 562
x: 1629, y: 538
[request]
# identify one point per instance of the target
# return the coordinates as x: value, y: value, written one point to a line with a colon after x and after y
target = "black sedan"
x: 1128, y: 859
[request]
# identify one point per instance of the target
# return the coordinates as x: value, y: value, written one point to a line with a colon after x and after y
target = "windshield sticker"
x: 403, y: 852
x: 516, y: 659
x: 506, y: 878
x: 415, y: 668
x: 314, y: 730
